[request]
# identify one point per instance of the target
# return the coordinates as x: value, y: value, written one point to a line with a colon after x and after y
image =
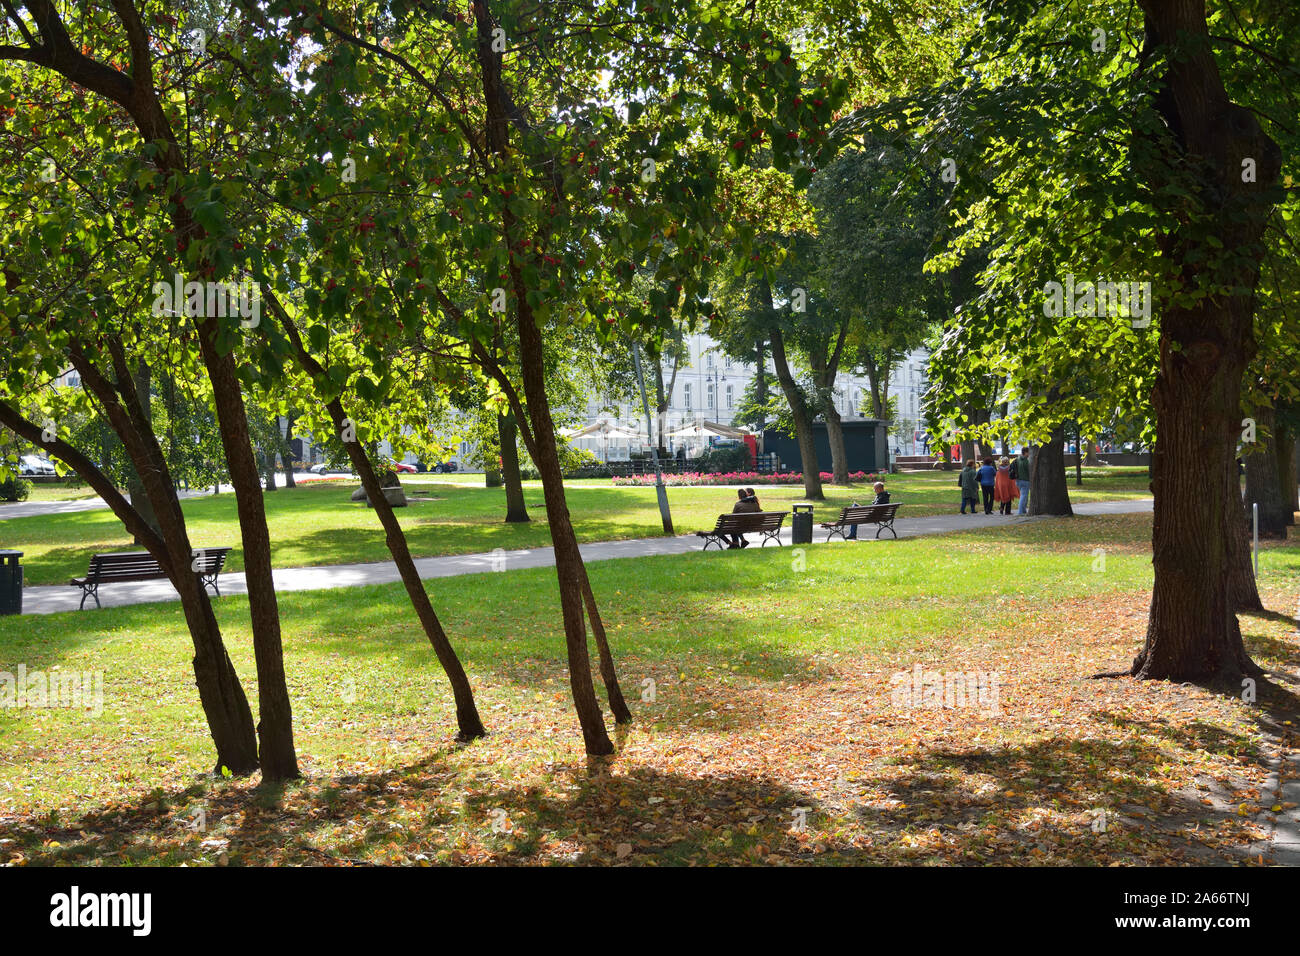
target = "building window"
x: 710, y: 359
x: 709, y: 392
x: 686, y: 396
x: 464, y: 448
x: 728, y: 362
x: 731, y: 389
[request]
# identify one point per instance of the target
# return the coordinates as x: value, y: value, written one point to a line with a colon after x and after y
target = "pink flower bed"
x: 734, y: 478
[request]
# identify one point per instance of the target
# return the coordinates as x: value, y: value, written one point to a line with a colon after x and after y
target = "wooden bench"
x: 143, y: 566
x: 851, y: 517
x: 766, y: 523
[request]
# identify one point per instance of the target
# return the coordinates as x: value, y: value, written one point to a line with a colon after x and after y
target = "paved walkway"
x: 51, y: 599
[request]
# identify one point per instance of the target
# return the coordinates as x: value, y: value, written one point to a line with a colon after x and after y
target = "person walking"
x: 969, y: 480
x: 1020, y: 472
x: 1004, y: 489
x: 988, y: 477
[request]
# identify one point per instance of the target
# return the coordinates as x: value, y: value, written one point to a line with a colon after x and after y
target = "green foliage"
x: 13, y: 488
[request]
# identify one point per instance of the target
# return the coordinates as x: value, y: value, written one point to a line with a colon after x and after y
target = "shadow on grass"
x: 952, y: 807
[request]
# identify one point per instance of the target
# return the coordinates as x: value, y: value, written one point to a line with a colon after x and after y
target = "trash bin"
x: 11, y: 583
x: 801, y: 524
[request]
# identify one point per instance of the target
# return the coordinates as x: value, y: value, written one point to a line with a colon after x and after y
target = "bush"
x: 692, y: 478
x: 14, y: 489
x: 724, y: 458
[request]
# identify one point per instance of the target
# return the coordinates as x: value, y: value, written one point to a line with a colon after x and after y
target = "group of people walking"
x: 1000, y: 483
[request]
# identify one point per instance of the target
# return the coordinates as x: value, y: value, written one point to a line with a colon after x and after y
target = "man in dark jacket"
x: 882, y: 498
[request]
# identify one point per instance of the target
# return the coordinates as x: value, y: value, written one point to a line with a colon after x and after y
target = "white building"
x: 711, y: 385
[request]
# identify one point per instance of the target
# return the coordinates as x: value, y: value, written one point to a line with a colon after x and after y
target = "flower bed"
x: 735, y: 478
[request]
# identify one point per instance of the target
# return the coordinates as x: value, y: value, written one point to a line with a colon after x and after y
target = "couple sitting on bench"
x: 747, y: 503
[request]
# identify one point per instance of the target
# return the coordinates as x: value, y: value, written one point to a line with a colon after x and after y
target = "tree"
x: 1161, y: 172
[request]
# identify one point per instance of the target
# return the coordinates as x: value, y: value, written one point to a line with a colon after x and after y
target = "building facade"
x: 710, y: 385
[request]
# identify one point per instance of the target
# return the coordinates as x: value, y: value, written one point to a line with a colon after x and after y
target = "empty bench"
x: 143, y: 566
x: 766, y: 523
x: 880, y: 515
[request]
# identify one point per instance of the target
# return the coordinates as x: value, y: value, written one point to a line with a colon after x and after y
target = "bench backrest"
x: 750, y: 521
x: 141, y: 565
x: 868, y: 513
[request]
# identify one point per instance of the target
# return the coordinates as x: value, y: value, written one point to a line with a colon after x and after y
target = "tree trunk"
x: 1205, y: 346
x: 467, y: 719
x: 812, y: 481
x: 1286, y: 465
x: 1263, y: 477
x: 617, y: 704
x: 224, y: 705
x: 516, y: 508
x: 1049, y: 492
x: 1243, y: 590
x: 839, y: 456
x: 286, y: 451
x: 760, y: 383
x: 279, y: 759
x: 569, y: 569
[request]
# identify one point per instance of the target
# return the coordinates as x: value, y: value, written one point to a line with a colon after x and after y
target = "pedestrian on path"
x: 1004, y: 489
x: 988, y: 477
x: 1020, y: 472
x: 970, y: 486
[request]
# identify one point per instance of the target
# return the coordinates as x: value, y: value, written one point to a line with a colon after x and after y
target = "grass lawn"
x: 761, y: 685
x: 39, y: 491
x: 318, y: 524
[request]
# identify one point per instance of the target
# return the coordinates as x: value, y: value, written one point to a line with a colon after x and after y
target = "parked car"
x: 34, y: 465
x: 446, y: 467
x: 401, y: 467
x: 324, y: 469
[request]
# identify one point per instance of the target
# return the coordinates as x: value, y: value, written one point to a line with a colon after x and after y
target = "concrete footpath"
x: 54, y: 598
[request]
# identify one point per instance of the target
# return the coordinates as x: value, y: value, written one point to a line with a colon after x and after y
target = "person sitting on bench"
x: 882, y: 498
x: 747, y: 501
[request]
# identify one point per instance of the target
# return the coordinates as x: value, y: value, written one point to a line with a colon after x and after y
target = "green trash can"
x: 11, y: 583
x: 801, y: 524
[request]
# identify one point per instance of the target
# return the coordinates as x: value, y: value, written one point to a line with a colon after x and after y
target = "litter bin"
x: 11, y: 583
x: 801, y: 524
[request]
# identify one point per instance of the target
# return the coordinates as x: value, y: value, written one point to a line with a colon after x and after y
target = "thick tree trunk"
x: 1263, y: 478
x: 812, y: 480
x: 1049, y: 492
x: 279, y: 759
x: 516, y: 507
x: 1192, y: 631
x: 839, y: 456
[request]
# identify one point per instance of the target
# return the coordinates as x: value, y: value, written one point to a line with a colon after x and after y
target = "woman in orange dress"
x: 1004, y: 489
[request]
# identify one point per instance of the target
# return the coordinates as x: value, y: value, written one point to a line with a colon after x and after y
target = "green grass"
x: 317, y: 524
x: 41, y: 491
x: 719, y: 633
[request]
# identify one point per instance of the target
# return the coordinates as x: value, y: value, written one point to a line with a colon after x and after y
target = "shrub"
x: 14, y: 489
x: 737, y: 478
x: 724, y: 458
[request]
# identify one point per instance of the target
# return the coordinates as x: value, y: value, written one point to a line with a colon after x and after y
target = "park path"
x: 54, y: 598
